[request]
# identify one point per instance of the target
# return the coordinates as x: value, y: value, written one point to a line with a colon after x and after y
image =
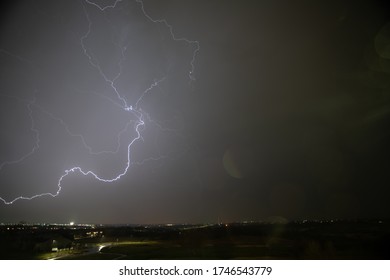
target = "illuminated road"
x: 96, y: 249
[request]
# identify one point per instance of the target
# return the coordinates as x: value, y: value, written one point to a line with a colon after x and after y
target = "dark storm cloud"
x: 287, y: 116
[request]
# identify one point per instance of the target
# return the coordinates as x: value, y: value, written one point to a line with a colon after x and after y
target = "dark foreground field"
x: 309, y: 240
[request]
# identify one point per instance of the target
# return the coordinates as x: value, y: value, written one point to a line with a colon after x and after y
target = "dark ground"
x: 308, y: 240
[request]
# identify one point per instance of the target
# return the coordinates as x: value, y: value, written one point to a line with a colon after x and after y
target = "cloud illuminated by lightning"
x: 135, y: 110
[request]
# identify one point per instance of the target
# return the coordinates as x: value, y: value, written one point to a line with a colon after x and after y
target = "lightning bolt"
x: 32, y: 128
x: 141, y: 117
x: 170, y: 27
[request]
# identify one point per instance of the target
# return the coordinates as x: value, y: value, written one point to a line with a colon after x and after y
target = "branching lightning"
x: 170, y: 27
x: 135, y: 110
x: 32, y: 128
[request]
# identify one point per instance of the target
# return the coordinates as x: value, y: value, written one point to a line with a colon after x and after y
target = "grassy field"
x: 169, y: 250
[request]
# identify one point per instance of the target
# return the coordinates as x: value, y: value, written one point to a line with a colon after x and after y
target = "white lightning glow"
x: 135, y: 110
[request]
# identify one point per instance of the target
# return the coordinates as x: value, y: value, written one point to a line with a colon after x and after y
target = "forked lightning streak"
x: 133, y: 109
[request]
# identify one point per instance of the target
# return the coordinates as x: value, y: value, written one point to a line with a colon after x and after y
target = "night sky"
x: 246, y: 110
